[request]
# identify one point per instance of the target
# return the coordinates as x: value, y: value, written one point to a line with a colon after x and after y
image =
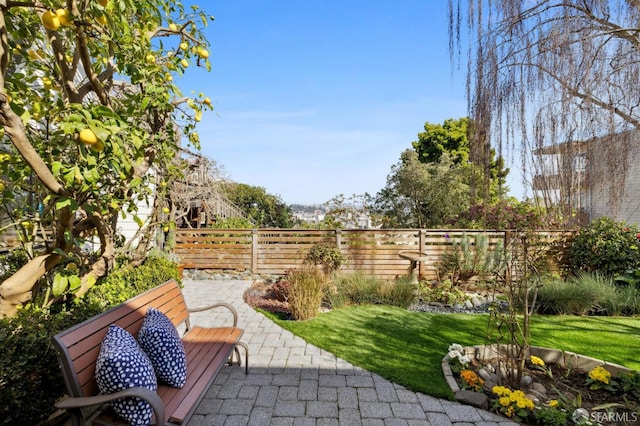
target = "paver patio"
x: 291, y: 382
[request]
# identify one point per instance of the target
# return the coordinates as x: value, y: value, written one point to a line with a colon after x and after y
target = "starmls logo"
x: 615, y: 418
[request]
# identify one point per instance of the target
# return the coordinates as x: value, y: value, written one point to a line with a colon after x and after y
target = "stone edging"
x: 548, y: 355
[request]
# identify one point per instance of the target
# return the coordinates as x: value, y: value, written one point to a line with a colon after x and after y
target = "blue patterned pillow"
x: 122, y: 364
x: 159, y: 338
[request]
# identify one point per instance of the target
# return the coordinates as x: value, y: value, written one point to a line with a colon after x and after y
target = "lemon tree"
x: 86, y: 115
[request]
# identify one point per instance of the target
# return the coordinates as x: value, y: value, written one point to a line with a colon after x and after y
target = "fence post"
x: 506, y: 248
x: 339, y: 239
x: 422, y: 248
x: 254, y: 251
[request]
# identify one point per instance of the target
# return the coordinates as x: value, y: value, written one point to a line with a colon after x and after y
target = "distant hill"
x: 308, y: 208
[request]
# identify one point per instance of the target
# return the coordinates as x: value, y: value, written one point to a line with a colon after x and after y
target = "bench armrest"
x: 216, y: 305
x: 139, y: 392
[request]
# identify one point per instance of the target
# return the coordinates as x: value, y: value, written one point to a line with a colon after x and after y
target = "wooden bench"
x: 207, y: 350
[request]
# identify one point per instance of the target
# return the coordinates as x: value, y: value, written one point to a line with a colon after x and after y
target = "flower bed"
x: 556, y: 387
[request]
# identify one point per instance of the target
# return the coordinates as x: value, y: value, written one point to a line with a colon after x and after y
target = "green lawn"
x: 407, y: 347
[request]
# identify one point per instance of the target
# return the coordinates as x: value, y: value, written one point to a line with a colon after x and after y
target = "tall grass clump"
x: 360, y: 289
x: 306, y: 291
x: 625, y: 302
x: 587, y: 294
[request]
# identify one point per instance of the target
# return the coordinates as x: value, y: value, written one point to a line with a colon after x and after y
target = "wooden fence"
x: 374, y: 252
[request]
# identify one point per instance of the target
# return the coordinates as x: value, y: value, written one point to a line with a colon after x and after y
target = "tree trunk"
x: 16, y: 289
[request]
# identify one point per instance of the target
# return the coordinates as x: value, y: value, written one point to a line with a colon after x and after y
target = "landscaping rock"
x: 526, y: 381
x: 476, y: 399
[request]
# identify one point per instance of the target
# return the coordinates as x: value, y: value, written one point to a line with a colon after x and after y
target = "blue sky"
x: 317, y: 98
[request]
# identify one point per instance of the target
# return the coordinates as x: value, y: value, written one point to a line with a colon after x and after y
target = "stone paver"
x: 291, y: 382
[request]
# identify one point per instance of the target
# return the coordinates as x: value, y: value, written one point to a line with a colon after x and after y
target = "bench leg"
x: 238, y: 360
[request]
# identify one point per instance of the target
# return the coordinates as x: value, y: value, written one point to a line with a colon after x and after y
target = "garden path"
x: 291, y: 382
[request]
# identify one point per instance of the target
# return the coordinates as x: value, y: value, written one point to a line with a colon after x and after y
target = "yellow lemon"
x: 168, y: 77
x: 102, y: 19
x: 206, y: 101
x: 50, y: 21
x: 63, y: 16
x: 98, y: 146
x: 184, y: 63
x: 184, y: 45
x: 166, y: 209
x: 103, y: 3
x: 46, y: 82
x: 173, y: 27
x: 87, y: 137
x: 150, y: 59
x: 203, y: 53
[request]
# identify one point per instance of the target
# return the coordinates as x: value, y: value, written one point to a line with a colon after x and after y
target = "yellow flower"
x: 553, y: 403
x: 517, y: 395
x: 501, y: 390
x: 504, y: 401
x: 600, y: 374
x: 510, y: 412
x: 537, y: 361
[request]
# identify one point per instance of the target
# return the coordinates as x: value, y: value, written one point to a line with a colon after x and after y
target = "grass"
x: 407, y: 347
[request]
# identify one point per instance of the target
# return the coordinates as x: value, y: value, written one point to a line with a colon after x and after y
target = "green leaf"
x: 65, y: 202
x: 60, y: 283
x: 75, y: 282
x: 101, y: 133
x: 56, y: 166
x: 138, y: 220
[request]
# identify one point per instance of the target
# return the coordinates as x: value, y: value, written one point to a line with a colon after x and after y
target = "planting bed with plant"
x: 549, y: 394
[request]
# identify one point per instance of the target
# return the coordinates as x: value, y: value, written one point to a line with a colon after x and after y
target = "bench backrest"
x: 79, y: 345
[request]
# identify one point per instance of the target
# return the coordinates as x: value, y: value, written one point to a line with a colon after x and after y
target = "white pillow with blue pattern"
x: 122, y: 364
x: 159, y: 338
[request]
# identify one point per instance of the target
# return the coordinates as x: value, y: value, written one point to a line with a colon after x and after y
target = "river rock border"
x: 548, y: 355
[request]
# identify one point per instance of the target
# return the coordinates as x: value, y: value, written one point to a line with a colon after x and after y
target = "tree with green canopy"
x: 452, y: 138
x: 263, y: 209
x: 91, y: 124
x: 421, y: 195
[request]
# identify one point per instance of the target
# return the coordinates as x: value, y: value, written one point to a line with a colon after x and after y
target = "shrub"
x: 625, y: 301
x: 232, y: 223
x: 11, y: 262
x: 550, y: 416
x: 359, y: 289
x: 30, y: 378
x: 587, y: 293
x: 605, y: 246
x: 468, y: 260
x: 401, y: 292
x: 281, y: 289
x: 443, y: 292
x: 330, y: 258
x: 570, y: 297
x: 505, y: 214
x: 305, y: 292
x: 353, y: 289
